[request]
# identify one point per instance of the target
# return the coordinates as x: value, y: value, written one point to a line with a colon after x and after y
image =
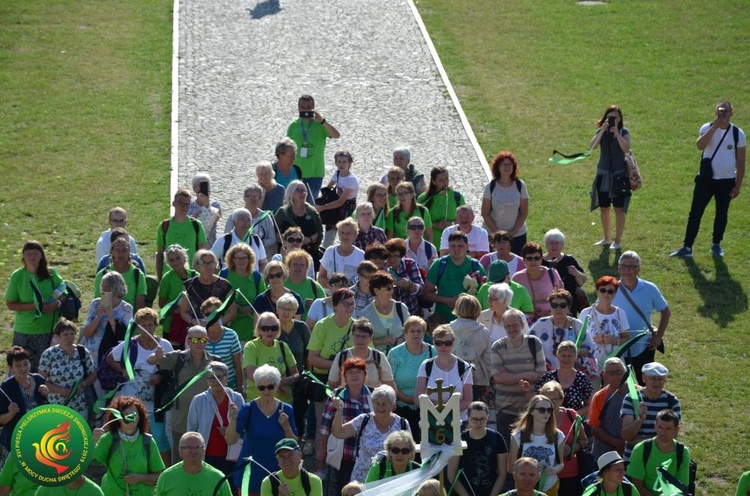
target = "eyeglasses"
x: 198, y: 340
x: 402, y: 194
x: 614, y: 372
x: 564, y: 304
x: 294, y: 240
x: 275, y: 275
x: 607, y: 291
x: 269, y: 328
x: 240, y: 259
x: 270, y: 387
x: 415, y: 227
x: 387, y: 288
x: 533, y: 258
x: 504, y: 238
x: 478, y: 420
x: 347, y: 303
x: 206, y: 263
x: 286, y: 309
x: 192, y: 448
x: 438, y: 342
x: 397, y: 451
x: 361, y: 336
x: 543, y: 410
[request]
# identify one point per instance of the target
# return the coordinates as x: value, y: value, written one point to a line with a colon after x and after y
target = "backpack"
x: 680, y: 454
x: 456, y: 199
x: 72, y: 304
x: 305, y: 481
x: 493, y: 184
x: 168, y: 387
x: 165, y: 228
x: 108, y: 377
x: 382, y: 458
x: 146, y: 446
x: 256, y: 278
x: 444, y: 264
x: 228, y: 242
x: 376, y: 355
x: 462, y: 366
x: 314, y: 288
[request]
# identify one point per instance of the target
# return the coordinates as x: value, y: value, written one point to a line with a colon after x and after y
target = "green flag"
x: 620, y: 350
x: 38, y: 299
x: 170, y: 308
x: 568, y: 159
x: 667, y: 484
x: 126, y: 344
x: 633, y: 391
x: 219, y: 312
x: 104, y: 400
x: 192, y: 381
x: 312, y: 377
x: 582, y: 333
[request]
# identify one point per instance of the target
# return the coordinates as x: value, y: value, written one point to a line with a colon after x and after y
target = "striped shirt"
x: 225, y: 348
x: 665, y: 401
x: 510, y: 398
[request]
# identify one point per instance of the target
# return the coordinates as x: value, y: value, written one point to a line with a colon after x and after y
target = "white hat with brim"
x: 608, y: 459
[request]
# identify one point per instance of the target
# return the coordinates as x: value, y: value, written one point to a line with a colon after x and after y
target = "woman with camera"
x: 611, y: 184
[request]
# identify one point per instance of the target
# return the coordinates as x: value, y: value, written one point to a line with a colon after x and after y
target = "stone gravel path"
x: 243, y: 65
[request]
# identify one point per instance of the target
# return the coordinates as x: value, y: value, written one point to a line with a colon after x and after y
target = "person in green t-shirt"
x: 192, y: 475
x: 266, y: 349
x: 526, y: 473
x: 292, y: 478
x: 12, y: 481
x: 82, y: 486
x: 180, y: 229
x: 611, y: 477
x: 446, y: 277
x: 442, y: 200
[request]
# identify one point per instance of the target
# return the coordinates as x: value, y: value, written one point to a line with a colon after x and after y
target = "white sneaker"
x: 603, y: 242
x: 614, y: 246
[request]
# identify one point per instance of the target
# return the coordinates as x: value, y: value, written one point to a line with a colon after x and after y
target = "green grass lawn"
x: 85, y: 119
x: 536, y: 75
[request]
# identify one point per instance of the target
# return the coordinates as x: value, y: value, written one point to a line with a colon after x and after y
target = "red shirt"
x: 216, y: 445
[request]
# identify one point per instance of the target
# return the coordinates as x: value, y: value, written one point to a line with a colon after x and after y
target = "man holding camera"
x: 310, y: 132
x: 721, y: 173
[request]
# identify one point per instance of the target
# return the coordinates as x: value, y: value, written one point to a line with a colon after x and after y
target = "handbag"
x: 334, y: 451
x: 634, y: 174
x: 329, y: 195
x: 313, y: 390
x: 706, y: 171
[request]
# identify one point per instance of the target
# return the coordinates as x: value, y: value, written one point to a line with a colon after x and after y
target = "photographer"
x: 611, y: 186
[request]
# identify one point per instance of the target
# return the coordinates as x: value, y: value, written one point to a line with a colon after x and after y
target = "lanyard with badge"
x: 303, y: 152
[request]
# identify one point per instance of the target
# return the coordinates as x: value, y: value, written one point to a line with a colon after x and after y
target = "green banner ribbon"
x: 126, y: 344
x: 73, y: 392
x: 633, y: 391
x: 582, y: 333
x: 170, y: 308
x: 38, y: 299
x: 219, y: 312
x: 329, y: 391
x: 192, y: 381
x: 576, y: 428
x: 568, y: 159
x: 128, y: 419
x: 620, y: 350
x: 249, y: 303
x: 104, y: 400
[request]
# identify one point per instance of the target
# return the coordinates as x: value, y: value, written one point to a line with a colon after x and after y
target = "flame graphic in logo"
x: 53, y: 447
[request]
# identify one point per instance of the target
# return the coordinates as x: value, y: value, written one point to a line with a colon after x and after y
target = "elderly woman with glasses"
x: 484, y: 460
x: 371, y: 429
x: 209, y: 415
x: 203, y: 286
x: 386, y: 314
x: 609, y: 327
x: 240, y: 260
x: 322, y: 307
x: 397, y: 459
x: 262, y: 423
x: 275, y: 274
x: 538, y: 280
x: 296, y: 212
x: 378, y: 368
x: 108, y: 317
x: 368, y: 232
x: 261, y: 220
x: 559, y: 327
x: 267, y: 349
x: 343, y: 257
x: 446, y: 366
x: 417, y: 248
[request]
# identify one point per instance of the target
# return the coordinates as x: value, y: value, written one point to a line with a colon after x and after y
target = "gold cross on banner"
x: 439, y: 390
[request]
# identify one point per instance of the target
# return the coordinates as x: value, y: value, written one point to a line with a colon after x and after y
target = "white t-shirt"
x: 450, y: 378
x: 725, y: 161
x: 258, y: 248
x: 344, y: 183
x: 612, y: 324
x: 542, y: 451
x: 103, y: 246
x: 332, y: 261
x: 505, y: 204
x: 141, y: 387
x: 478, y: 240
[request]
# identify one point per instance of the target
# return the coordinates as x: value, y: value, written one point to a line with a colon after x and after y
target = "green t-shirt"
x: 295, y: 485
x: 20, y: 485
x: 170, y: 287
x: 174, y: 481
x: 19, y: 291
x: 129, y: 275
x: 513, y: 493
x: 647, y: 473
x: 397, y: 220
x: 244, y: 325
x: 442, y: 207
x: 257, y: 354
x: 329, y: 339
x: 313, y: 164
x: 593, y: 490
x: 521, y: 298
x: 452, y: 281
x: 135, y: 463
x: 89, y: 488
x: 306, y: 292
x: 183, y: 234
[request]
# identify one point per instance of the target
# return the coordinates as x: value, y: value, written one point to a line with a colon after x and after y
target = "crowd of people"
x: 282, y: 338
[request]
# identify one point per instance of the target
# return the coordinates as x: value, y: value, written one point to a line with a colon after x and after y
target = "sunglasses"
x: 294, y: 240
x: 198, y: 340
x: 269, y: 328
x: 438, y: 342
x: 397, y: 451
x: 534, y: 258
x: 275, y: 275
x: 416, y: 227
x: 559, y: 305
x: 271, y: 387
x: 607, y: 291
x: 543, y: 410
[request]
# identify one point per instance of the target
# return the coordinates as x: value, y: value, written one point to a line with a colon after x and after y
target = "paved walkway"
x: 243, y: 65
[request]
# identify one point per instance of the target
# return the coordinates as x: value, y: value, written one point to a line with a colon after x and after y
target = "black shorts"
x: 605, y: 201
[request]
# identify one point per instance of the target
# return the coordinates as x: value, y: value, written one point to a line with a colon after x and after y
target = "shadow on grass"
x: 605, y: 264
x: 723, y: 298
x: 264, y: 8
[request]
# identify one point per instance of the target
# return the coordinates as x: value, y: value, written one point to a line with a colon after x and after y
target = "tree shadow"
x: 264, y: 8
x: 723, y: 297
x: 604, y: 265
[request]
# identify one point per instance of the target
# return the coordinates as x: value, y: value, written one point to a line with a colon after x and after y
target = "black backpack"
x: 305, y: 482
x: 146, y: 446
x: 493, y: 184
x: 648, y: 445
x: 196, y: 228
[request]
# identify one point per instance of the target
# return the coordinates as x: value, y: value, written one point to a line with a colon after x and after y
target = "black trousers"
x: 718, y: 189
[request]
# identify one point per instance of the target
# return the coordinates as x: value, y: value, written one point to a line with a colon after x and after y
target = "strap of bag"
x: 640, y: 313
x: 720, y: 142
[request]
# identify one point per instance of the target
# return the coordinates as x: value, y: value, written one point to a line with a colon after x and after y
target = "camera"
x: 306, y: 114
x: 611, y: 120
x: 722, y: 113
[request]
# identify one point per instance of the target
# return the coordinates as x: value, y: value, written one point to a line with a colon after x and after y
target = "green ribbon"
x: 568, y: 159
x: 239, y: 292
x: 455, y: 480
x: 246, y: 478
x: 168, y: 309
x: 126, y: 344
x: 192, y: 381
x: 582, y: 333
x: 73, y: 392
x: 633, y: 391
x: 620, y: 351
x: 128, y: 419
x: 104, y: 400
x: 38, y: 299
x: 576, y: 428
x: 329, y: 391
x: 219, y: 312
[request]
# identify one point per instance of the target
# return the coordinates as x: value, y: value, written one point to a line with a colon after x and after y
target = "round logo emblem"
x: 51, y: 445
